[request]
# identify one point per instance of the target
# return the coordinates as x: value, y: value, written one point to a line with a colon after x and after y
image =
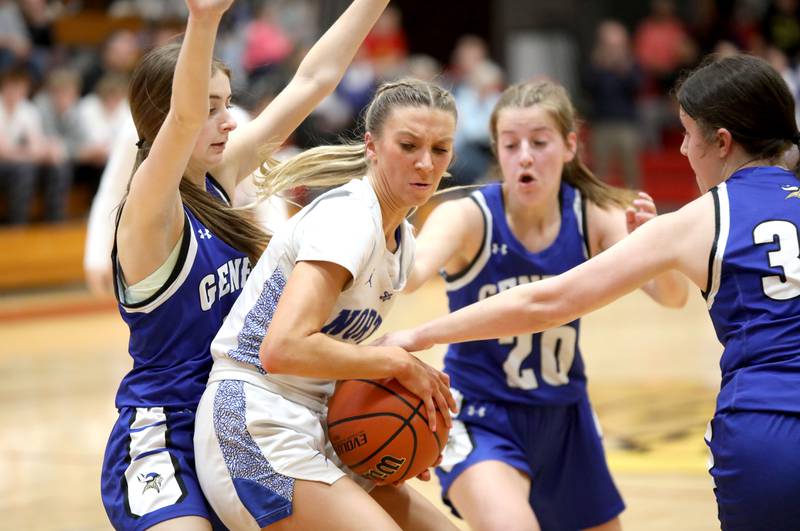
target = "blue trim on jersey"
x: 257, y: 320
x: 544, y: 368
x: 755, y: 301
x: 264, y: 492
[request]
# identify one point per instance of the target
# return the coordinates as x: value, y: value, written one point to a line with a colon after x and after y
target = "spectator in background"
x: 21, y: 143
x: 386, y: 45
x: 64, y: 135
x: 781, y: 26
x: 15, y: 42
x: 424, y: 67
x: 468, y: 53
x: 790, y: 74
x: 662, y: 47
x: 266, y: 43
x: 24, y: 152
x: 475, y: 100
x: 103, y: 115
x: 119, y: 55
x: 613, y: 80
x: 39, y: 17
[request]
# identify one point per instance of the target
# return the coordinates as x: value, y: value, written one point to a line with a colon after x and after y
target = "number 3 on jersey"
x: 557, y: 348
x: 786, y: 256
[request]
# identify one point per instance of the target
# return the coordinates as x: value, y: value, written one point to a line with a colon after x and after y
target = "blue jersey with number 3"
x: 753, y: 291
x: 544, y: 368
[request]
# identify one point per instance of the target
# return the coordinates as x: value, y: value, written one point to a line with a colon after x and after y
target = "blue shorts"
x: 558, y: 447
x: 756, y: 470
x: 148, y: 469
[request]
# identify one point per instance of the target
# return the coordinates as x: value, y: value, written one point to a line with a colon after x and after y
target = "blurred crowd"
x: 63, y: 105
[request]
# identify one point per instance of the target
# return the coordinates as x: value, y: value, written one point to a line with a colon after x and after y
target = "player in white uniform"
x: 323, y: 286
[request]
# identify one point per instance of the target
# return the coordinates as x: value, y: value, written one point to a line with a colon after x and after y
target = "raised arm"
x: 450, y: 239
x: 680, y: 240
x: 609, y: 226
x: 317, y: 76
x: 152, y: 218
x: 294, y: 343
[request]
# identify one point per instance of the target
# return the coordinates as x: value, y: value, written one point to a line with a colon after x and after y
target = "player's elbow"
x: 676, y: 299
x: 544, y: 307
x: 275, y: 354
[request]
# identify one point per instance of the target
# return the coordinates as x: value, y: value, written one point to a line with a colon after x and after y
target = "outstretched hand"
x: 404, y: 339
x: 208, y: 7
x: 642, y: 211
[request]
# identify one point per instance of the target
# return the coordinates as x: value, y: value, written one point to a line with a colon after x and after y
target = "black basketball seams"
x: 390, y: 439
x: 416, y: 410
x: 366, y: 416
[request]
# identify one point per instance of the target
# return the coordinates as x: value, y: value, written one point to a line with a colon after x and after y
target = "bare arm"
x: 295, y: 345
x: 450, y: 239
x: 680, y: 240
x: 317, y: 76
x: 609, y: 226
x: 152, y: 218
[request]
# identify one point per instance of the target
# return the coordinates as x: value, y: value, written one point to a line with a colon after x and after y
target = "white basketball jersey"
x: 343, y: 226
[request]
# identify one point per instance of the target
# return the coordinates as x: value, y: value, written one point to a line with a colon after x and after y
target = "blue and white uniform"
x: 259, y: 432
x: 753, y: 296
x: 523, y: 399
x: 148, y: 469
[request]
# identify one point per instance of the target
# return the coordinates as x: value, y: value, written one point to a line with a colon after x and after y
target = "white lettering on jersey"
x: 229, y: 278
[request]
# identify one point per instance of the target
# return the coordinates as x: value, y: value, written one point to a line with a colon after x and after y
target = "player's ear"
x: 723, y: 141
x: 572, y: 146
x: 369, y: 142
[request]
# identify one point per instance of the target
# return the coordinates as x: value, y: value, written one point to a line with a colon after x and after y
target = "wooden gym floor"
x: 653, y: 377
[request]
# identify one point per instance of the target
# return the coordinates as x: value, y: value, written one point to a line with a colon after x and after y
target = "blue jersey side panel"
x: 544, y: 368
x: 754, y: 290
x: 170, y: 333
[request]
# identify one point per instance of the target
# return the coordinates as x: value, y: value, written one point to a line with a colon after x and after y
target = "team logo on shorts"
x: 151, y: 480
x: 794, y: 191
x: 386, y: 296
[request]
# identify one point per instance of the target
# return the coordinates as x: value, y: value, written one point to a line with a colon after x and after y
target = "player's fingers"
x: 443, y: 406
x: 425, y: 475
x: 448, y: 395
x: 431, y: 409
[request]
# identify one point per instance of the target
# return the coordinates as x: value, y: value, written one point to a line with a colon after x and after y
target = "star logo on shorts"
x: 151, y: 480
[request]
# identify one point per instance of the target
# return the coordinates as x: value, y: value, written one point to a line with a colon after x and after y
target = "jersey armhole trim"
x: 179, y: 270
x: 468, y: 274
x: 721, y: 230
x: 710, y: 276
x: 455, y: 276
x: 579, y: 207
x: 219, y: 189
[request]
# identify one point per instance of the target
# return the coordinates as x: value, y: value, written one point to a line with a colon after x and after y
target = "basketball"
x: 380, y: 430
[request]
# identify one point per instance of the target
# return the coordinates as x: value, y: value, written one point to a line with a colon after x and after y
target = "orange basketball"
x: 380, y: 430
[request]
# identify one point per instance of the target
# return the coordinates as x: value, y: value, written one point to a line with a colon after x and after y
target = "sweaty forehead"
x: 420, y: 122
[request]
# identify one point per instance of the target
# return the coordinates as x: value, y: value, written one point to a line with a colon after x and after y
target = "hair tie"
x: 140, y: 143
x: 796, y: 139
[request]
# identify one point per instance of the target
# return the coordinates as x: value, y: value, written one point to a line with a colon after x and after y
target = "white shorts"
x: 250, y: 447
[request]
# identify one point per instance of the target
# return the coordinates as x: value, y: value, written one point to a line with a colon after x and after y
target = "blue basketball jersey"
x: 171, y: 331
x: 543, y: 368
x: 753, y: 291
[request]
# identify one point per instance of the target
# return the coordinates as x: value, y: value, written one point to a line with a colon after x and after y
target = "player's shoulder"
x: 459, y: 211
